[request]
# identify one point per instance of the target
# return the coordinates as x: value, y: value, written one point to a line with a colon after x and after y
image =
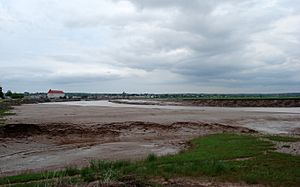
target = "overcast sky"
x: 157, y: 46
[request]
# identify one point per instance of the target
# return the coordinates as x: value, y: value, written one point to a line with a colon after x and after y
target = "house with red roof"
x: 55, y: 94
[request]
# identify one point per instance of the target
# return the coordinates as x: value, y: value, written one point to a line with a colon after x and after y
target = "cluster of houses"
x: 61, y: 95
x: 52, y: 94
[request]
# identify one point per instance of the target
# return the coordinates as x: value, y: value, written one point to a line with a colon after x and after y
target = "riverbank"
x: 215, y: 160
x: 253, y: 102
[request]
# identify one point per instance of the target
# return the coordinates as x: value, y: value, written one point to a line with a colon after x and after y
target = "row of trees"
x: 14, y: 95
x: 10, y: 94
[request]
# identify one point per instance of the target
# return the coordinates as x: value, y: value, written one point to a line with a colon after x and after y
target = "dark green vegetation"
x: 3, y: 112
x: 283, y: 138
x: 1, y: 93
x: 14, y: 95
x: 221, y: 157
x: 5, y: 108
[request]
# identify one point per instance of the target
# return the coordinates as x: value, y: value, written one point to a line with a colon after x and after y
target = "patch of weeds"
x: 71, y: 171
x: 283, y: 138
x: 251, y: 179
x: 109, y: 170
x: 88, y: 175
x: 151, y: 158
x: 110, y: 174
x: 214, y: 168
x: 5, y: 112
x: 121, y: 163
x: 30, y: 177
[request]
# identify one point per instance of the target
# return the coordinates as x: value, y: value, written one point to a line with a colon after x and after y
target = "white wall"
x: 54, y: 96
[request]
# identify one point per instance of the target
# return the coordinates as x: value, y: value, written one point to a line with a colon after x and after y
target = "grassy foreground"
x: 220, y: 157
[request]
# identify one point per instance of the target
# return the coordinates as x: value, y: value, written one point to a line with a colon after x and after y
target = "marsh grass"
x: 151, y: 158
x: 71, y: 171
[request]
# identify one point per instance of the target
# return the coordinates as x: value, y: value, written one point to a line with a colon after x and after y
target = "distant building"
x: 55, y: 94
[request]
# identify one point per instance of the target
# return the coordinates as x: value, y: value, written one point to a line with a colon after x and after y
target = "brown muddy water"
x: 276, y: 120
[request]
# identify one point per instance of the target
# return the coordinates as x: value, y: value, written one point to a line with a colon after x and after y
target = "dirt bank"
x: 245, y: 102
x: 218, y: 102
x: 112, y: 129
x: 26, y: 147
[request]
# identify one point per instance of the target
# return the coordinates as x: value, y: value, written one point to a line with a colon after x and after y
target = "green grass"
x: 3, y: 113
x: 151, y: 157
x: 223, y: 157
x: 283, y: 138
x: 5, y: 108
x: 27, y: 177
x: 64, y: 181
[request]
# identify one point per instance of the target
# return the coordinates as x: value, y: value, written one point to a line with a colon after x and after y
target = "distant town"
x: 60, y: 95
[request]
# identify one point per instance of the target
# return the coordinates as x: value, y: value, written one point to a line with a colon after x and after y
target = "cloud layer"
x: 150, y: 45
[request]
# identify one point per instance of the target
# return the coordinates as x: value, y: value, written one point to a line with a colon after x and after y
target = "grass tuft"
x: 71, y: 171
x: 87, y: 174
x: 151, y: 158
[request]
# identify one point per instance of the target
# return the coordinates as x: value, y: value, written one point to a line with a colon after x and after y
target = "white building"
x: 55, y: 94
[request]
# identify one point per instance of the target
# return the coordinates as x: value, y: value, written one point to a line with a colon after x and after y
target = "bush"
x: 17, y: 96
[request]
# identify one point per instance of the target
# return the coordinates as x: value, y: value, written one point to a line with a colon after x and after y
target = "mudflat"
x: 53, y: 136
x: 268, y: 120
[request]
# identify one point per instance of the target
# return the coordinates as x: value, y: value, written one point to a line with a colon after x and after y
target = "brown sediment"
x: 245, y: 102
x: 19, y: 131
x: 199, y: 182
x: 218, y: 102
x: 52, y: 137
x: 23, y: 145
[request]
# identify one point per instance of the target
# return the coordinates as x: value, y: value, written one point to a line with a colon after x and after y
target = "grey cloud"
x: 218, y: 45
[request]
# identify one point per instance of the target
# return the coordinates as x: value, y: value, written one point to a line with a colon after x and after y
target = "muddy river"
x: 263, y: 119
x: 159, y: 105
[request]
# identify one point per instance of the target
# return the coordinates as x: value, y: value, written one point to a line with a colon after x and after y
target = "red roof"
x: 55, y: 92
